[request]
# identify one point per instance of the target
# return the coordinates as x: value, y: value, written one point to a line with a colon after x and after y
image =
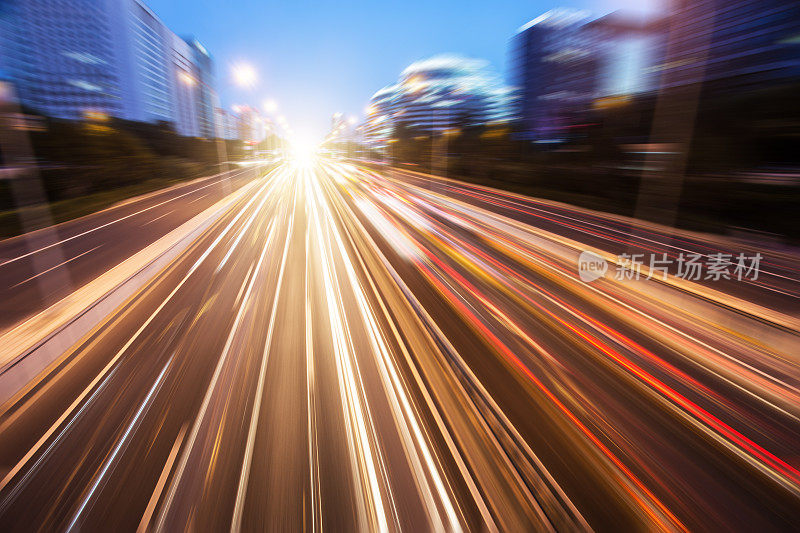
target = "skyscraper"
x: 164, y: 77
x: 143, y: 47
x: 378, y: 126
x: 554, y: 73
x: 186, y: 93
x: 732, y: 45
x: 61, y: 56
x: 228, y: 124
x: 562, y: 61
x: 70, y: 57
x: 435, y: 94
x: 206, y: 95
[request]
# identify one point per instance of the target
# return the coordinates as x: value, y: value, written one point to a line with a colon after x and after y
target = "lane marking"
x: 162, y: 516
x: 198, y: 198
x: 311, y: 409
x: 162, y: 480
x: 158, y: 218
x: 62, y: 241
x: 244, y: 476
x: 53, y: 268
x: 120, y: 443
x: 359, y: 426
x: 107, y: 371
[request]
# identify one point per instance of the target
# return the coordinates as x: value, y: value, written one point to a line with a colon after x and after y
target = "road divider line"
x: 67, y: 239
x: 55, y: 267
x: 176, y: 481
x: 107, y: 465
x: 162, y: 480
x: 30, y: 346
x: 244, y: 476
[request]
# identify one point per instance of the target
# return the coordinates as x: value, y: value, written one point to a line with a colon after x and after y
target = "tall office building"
x: 437, y: 94
x: 143, y: 47
x: 60, y: 54
x: 379, y: 125
x: 229, y: 127
x: 554, y: 73
x: 70, y: 57
x: 6, y: 41
x: 732, y: 45
x: 206, y: 96
x: 562, y: 61
x: 626, y: 51
x: 185, y: 97
x: 163, y: 77
x: 252, y: 126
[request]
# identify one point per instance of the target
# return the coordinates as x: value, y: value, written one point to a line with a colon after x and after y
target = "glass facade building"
x: 562, y: 61
x: 206, y: 97
x: 60, y: 55
x: 71, y: 57
x: 554, y: 73
x: 434, y: 95
x: 186, y: 92
x: 732, y: 45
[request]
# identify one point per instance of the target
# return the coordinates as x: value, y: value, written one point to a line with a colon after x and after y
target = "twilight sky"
x: 319, y: 57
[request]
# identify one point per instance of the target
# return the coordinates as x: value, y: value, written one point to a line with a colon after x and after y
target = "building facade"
x: 252, y: 127
x: 164, y: 77
x: 228, y: 124
x: 185, y: 89
x: 732, y: 45
x: 73, y: 57
x: 206, y: 96
x: 144, y: 46
x: 554, y: 73
x: 434, y: 95
x: 61, y: 56
x: 563, y: 61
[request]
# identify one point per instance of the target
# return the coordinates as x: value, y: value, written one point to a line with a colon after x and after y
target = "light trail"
x: 351, y: 349
x: 135, y: 421
x: 236, y: 521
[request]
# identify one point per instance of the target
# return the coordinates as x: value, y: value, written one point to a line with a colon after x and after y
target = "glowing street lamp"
x: 244, y: 75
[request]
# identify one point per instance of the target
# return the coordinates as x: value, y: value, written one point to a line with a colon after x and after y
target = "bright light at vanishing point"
x: 303, y: 152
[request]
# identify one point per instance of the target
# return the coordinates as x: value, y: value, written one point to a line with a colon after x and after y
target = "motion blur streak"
x: 353, y: 348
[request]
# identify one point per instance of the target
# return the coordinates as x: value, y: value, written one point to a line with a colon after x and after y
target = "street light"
x: 244, y: 75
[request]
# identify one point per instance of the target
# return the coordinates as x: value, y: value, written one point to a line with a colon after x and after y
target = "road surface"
x: 43, y: 266
x: 354, y: 349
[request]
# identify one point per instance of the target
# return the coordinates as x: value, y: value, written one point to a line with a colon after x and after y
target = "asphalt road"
x: 42, y: 267
x: 349, y: 349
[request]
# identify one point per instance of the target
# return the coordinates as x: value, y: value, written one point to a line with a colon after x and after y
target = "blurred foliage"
x: 735, y: 139
x: 76, y: 159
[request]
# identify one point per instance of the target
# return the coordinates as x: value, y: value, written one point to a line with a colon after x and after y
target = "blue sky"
x: 319, y: 57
